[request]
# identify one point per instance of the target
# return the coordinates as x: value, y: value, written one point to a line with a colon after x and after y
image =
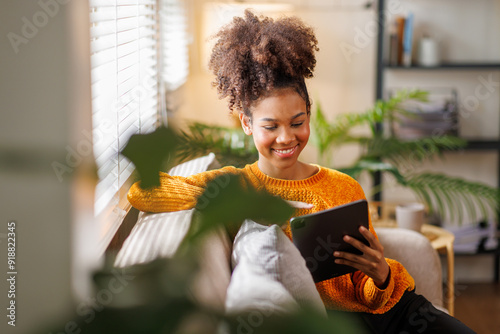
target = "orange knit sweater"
x: 326, y: 189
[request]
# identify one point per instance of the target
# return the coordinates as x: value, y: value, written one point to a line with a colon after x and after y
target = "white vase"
x: 411, y: 216
x: 428, y: 52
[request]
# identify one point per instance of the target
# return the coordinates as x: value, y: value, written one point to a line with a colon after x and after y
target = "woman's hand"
x: 371, y: 262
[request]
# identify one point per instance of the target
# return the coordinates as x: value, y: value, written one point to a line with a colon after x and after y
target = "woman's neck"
x: 299, y: 171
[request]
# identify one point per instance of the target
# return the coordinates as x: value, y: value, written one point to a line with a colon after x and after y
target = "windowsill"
x: 111, y: 219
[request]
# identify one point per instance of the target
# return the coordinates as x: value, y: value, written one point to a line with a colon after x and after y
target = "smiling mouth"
x: 286, y: 152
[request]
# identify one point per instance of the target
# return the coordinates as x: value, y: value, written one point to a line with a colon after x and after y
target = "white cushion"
x: 268, y: 253
x: 160, y: 234
x: 252, y: 289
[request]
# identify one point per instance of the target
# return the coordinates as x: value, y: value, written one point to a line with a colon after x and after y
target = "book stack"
x: 436, y: 117
x: 476, y: 238
x: 401, y: 41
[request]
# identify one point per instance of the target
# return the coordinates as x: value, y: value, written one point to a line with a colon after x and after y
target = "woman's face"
x: 280, y: 129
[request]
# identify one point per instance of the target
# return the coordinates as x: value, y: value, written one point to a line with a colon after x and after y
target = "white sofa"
x: 159, y: 235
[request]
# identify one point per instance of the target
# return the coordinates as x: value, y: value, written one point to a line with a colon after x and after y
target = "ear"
x: 245, y: 123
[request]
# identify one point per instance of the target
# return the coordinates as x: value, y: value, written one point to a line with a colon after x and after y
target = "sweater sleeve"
x: 174, y: 193
x: 375, y: 298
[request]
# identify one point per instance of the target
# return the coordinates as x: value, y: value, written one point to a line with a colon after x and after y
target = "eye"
x: 270, y: 127
x: 296, y: 125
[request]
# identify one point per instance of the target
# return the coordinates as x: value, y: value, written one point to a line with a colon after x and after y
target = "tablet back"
x: 319, y: 234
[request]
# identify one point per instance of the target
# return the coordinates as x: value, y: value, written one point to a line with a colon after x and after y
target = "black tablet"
x: 319, y: 234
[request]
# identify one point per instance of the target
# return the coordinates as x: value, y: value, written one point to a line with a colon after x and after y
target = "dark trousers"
x: 412, y: 314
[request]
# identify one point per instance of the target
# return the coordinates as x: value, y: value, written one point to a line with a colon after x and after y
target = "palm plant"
x: 230, y: 145
x: 447, y: 197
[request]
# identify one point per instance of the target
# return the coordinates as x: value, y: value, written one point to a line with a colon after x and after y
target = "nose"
x: 286, y: 136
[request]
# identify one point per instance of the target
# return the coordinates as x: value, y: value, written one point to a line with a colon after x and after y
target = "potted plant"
x: 231, y: 146
x: 447, y: 197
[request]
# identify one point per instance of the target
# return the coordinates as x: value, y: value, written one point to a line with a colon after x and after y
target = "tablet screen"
x: 319, y: 234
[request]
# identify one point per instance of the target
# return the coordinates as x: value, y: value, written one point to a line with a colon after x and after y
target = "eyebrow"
x: 275, y: 120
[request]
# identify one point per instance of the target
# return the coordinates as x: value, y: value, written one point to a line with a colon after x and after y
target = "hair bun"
x: 252, y: 55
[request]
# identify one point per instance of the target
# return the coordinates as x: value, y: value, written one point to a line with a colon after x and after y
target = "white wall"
x: 44, y: 107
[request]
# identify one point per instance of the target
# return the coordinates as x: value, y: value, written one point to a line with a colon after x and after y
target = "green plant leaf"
x: 151, y: 153
x: 300, y: 322
x: 409, y: 152
x: 228, y: 200
x: 450, y: 197
x: 372, y: 166
x: 330, y: 134
x: 461, y: 196
x: 231, y: 146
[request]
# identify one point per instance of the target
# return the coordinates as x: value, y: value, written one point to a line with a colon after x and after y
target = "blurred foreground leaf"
x: 156, y: 298
x: 144, y: 298
x: 303, y: 321
x: 150, y: 153
x: 228, y: 200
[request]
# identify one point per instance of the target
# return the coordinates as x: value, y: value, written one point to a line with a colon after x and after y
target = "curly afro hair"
x: 253, y: 56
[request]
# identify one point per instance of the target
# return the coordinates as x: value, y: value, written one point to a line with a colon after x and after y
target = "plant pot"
x: 410, y: 216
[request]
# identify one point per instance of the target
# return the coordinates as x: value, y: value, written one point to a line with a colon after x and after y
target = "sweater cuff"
x: 378, y: 297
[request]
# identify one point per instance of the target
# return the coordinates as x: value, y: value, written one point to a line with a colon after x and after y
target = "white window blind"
x: 174, y: 41
x: 125, y: 93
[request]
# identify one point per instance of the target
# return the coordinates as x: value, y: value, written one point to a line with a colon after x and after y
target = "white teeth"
x: 290, y: 150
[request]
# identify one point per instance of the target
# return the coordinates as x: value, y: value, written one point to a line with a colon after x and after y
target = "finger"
x: 366, y: 233
x: 372, y: 240
x: 345, y: 257
x: 368, y: 252
x: 347, y: 262
x: 356, y: 243
x: 300, y: 205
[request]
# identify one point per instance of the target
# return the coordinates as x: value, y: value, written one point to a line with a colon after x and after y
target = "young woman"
x: 261, y: 66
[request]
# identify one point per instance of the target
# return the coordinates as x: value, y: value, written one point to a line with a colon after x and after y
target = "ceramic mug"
x: 410, y: 216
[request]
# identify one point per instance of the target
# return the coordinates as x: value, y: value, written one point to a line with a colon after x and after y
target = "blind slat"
x: 102, y: 43
x: 108, y: 159
x: 148, y: 126
x: 125, y: 134
x: 106, y: 3
x: 127, y: 48
x: 124, y: 50
x: 124, y: 40
x: 102, y: 58
x: 173, y: 27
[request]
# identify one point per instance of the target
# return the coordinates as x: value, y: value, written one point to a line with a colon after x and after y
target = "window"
x: 129, y: 41
x: 174, y: 41
x: 125, y: 96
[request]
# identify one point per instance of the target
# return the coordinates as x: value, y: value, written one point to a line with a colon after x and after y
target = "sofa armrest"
x: 415, y: 252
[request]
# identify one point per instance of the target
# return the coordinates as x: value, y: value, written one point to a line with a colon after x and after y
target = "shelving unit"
x: 448, y: 67
x: 480, y: 144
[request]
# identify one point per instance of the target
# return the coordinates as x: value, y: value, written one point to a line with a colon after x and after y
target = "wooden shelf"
x: 483, y: 144
x: 479, y: 252
x: 447, y: 67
